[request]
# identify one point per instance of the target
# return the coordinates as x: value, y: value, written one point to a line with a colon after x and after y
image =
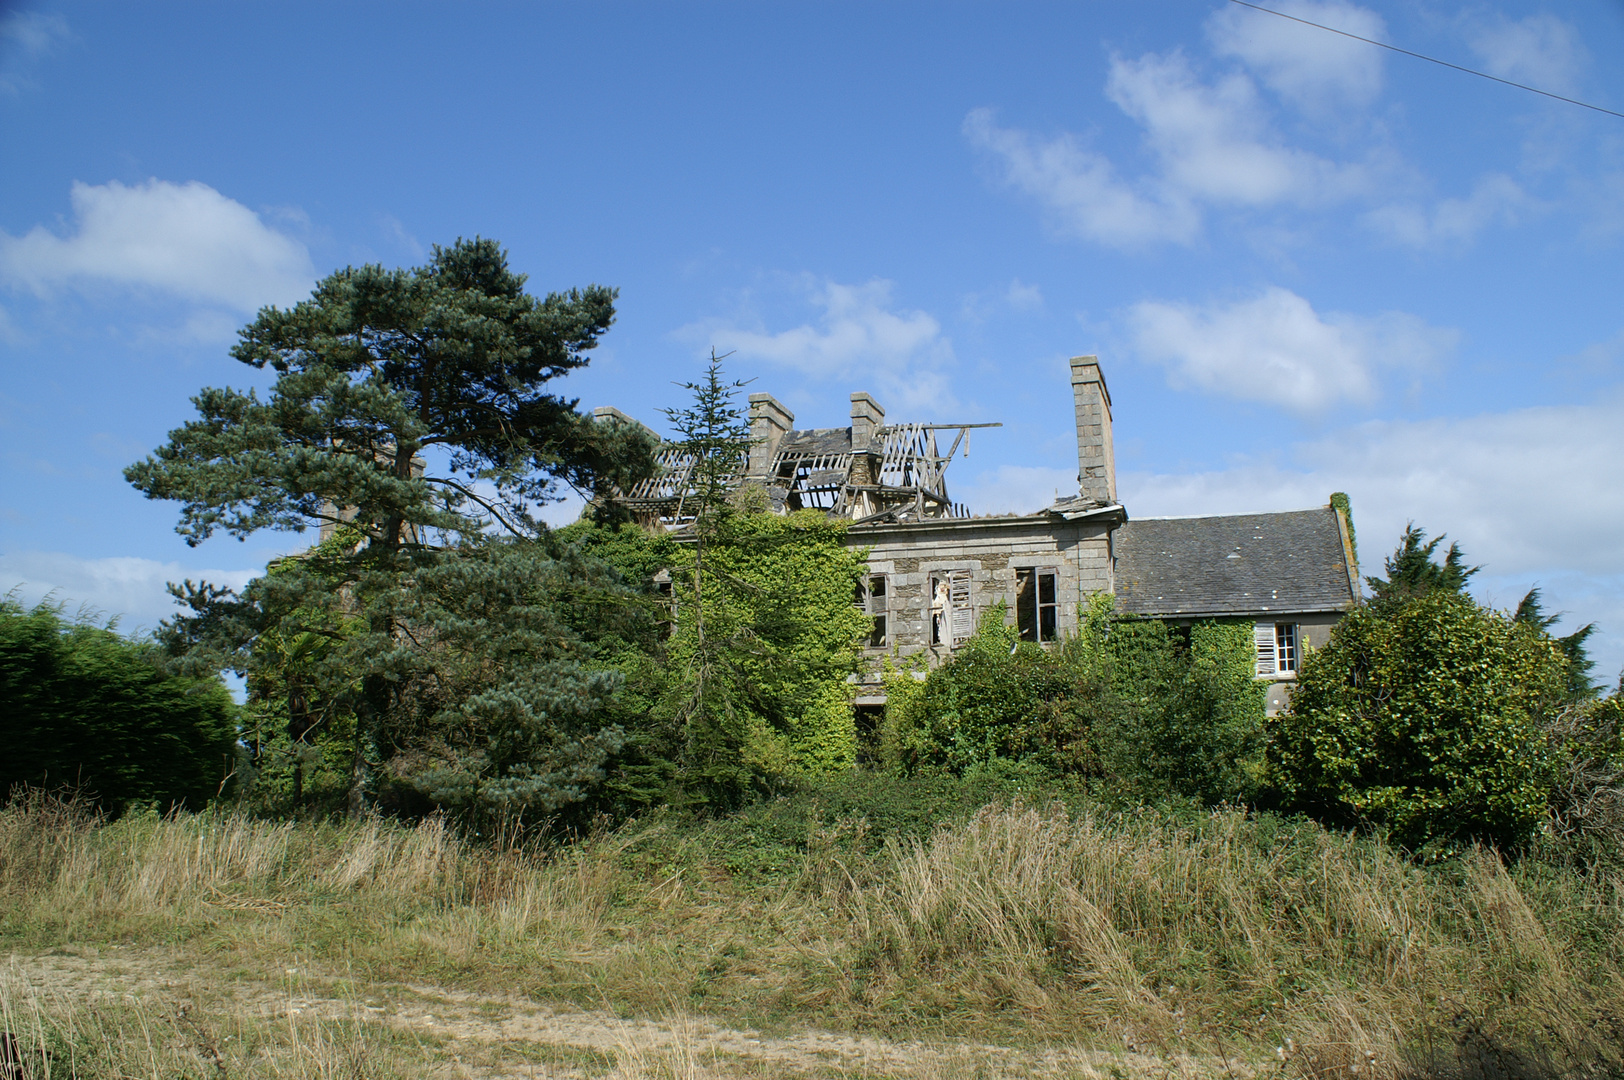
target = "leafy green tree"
x: 1191, y: 723
x: 86, y: 707
x: 1413, y: 570
x: 411, y: 407
x: 1428, y: 720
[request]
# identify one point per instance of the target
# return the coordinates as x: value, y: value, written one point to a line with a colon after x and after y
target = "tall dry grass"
x: 1227, y: 936
x: 1172, y: 935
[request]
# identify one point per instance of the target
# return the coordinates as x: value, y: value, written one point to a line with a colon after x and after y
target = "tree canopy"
x: 1412, y: 570
x: 412, y: 412
x: 380, y: 367
x: 85, y: 707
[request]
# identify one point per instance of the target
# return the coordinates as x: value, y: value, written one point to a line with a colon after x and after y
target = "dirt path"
x: 472, y: 1028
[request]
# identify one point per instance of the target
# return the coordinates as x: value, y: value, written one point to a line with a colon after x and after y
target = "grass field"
x: 871, y: 928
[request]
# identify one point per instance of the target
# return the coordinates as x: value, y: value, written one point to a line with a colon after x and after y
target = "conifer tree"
x: 1412, y: 571
x: 411, y: 408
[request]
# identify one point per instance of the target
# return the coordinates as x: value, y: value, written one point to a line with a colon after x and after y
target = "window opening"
x: 1036, y: 604
x: 872, y: 600
x: 951, y: 618
x: 1276, y: 648
x: 1285, y: 646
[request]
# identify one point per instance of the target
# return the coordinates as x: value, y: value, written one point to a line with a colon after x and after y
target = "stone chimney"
x: 867, y: 417
x: 608, y: 412
x: 1096, y: 461
x: 769, y: 421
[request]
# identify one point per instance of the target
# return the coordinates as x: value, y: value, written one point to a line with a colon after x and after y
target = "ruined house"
x: 933, y: 569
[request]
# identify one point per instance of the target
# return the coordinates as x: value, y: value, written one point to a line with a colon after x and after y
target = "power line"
x: 1430, y: 59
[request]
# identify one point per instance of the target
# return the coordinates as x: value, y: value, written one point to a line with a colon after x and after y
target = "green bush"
x: 1191, y: 723
x: 1152, y: 711
x: 1428, y: 719
x: 86, y: 707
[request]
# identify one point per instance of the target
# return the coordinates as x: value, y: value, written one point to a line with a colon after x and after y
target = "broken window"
x: 1036, y: 604
x: 872, y: 599
x: 951, y: 618
x: 1276, y: 648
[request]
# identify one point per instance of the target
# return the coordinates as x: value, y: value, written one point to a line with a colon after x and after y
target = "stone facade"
x: 934, y: 570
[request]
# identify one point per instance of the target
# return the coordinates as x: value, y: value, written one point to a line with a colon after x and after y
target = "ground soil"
x: 491, y: 1037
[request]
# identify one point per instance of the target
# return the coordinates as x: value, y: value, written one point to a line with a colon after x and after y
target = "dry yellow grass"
x: 1218, y: 940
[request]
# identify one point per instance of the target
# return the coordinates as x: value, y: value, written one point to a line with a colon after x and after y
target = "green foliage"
x: 997, y: 699
x: 411, y: 408
x: 1151, y: 711
x: 1412, y: 570
x: 379, y: 366
x: 1531, y: 613
x: 1193, y: 721
x: 1344, y: 508
x: 1427, y: 719
x: 86, y: 707
x: 775, y: 633
x: 748, y: 687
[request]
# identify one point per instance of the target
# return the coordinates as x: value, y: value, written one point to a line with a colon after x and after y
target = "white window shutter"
x: 1263, y: 635
x: 958, y: 593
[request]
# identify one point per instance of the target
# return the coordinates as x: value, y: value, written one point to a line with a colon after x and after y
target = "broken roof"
x: 1244, y: 564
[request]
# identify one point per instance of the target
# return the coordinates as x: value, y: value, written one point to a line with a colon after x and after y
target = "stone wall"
x: 991, y: 550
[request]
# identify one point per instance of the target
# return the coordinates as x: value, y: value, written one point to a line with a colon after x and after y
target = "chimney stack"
x: 867, y: 417
x: 1096, y: 461
x: 769, y: 421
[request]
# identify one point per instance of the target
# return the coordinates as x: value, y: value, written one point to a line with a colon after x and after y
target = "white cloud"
x: 1523, y: 491
x: 1495, y: 197
x: 1540, y: 51
x: 1214, y: 141
x: 27, y: 35
x: 857, y: 334
x: 1308, y: 68
x: 129, y: 588
x: 184, y: 239
x: 1079, y: 188
x: 1277, y: 348
x: 1531, y: 494
x: 1213, y: 146
x: 1023, y: 297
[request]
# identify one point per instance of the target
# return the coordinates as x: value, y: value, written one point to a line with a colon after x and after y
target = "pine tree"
x: 412, y: 409
x: 713, y: 447
x: 1531, y: 613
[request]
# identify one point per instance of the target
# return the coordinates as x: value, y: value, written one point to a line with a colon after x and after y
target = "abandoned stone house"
x: 933, y: 569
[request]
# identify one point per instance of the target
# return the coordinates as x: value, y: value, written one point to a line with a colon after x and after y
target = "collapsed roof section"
x: 868, y: 472
x: 873, y: 472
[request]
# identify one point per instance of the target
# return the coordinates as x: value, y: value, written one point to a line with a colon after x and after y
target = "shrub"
x: 1191, y: 723
x: 1427, y: 719
x: 1153, y: 710
x: 86, y: 707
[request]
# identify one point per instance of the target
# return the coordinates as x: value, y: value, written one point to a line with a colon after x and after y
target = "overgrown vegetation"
x: 621, y: 761
x: 1148, y: 710
x: 87, y: 707
x: 887, y: 906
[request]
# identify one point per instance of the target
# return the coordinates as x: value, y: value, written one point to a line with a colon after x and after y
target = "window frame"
x: 958, y: 614
x: 1038, y: 607
x: 1277, y: 652
x: 876, y: 604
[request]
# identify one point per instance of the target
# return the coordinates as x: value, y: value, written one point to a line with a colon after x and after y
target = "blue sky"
x: 1306, y: 264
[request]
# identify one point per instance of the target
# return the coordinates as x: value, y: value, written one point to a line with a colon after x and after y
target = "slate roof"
x: 811, y: 442
x: 1245, y: 564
